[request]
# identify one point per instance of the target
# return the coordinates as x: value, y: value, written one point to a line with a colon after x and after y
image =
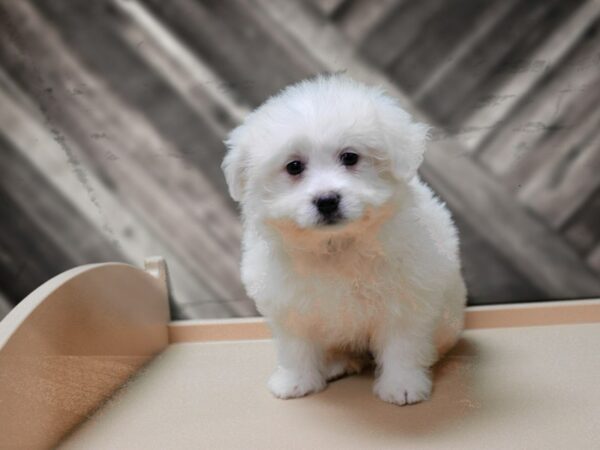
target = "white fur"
x: 386, y: 281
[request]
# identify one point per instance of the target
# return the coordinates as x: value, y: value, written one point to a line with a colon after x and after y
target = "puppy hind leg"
x: 342, y: 364
x: 300, y: 368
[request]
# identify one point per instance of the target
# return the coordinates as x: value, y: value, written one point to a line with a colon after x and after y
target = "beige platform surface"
x: 509, y: 388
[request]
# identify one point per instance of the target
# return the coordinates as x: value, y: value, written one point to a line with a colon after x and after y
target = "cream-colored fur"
x: 385, y: 280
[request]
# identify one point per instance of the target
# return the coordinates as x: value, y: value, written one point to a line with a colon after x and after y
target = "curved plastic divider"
x: 72, y: 342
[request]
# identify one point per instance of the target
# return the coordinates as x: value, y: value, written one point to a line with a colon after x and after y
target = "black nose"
x: 327, y: 204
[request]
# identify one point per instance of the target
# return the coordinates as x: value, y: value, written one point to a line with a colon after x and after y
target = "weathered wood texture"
x: 112, y: 116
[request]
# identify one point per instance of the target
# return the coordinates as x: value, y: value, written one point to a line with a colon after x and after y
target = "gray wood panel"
x: 136, y: 97
x: 42, y: 234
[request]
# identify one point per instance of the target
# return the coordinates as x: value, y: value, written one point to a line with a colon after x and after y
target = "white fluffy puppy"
x: 345, y: 250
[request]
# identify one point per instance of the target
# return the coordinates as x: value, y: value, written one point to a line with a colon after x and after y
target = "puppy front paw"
x: 285, y: 383
x: 403, y: 387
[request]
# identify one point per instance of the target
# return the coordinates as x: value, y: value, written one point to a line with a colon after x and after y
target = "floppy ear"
x: 235, y: 164
x: 405, y: 139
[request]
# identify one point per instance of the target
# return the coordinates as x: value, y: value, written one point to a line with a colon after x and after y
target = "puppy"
x: 346, y: 251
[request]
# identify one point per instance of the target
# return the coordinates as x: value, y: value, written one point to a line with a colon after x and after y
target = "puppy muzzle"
x: 328, y: 206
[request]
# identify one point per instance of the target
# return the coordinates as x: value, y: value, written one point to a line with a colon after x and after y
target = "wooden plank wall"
x: 518, y: 84
x: 113, y: 112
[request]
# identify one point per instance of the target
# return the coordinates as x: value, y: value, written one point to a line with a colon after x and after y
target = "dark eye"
x: 349, y: 158
x: 295, y: 167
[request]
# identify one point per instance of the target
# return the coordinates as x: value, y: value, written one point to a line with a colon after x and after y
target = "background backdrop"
x: 112, y: 116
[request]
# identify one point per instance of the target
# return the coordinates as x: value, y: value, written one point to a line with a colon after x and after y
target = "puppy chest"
x: 335, y: 318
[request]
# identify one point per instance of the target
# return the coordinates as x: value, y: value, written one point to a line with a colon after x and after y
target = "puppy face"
x: 323, y: 154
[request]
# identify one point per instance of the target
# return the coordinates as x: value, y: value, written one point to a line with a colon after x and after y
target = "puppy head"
x: 323, y: 154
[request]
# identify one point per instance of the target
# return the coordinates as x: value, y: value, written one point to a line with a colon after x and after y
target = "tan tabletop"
x: 91, y: 361
x: 509, y: 388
